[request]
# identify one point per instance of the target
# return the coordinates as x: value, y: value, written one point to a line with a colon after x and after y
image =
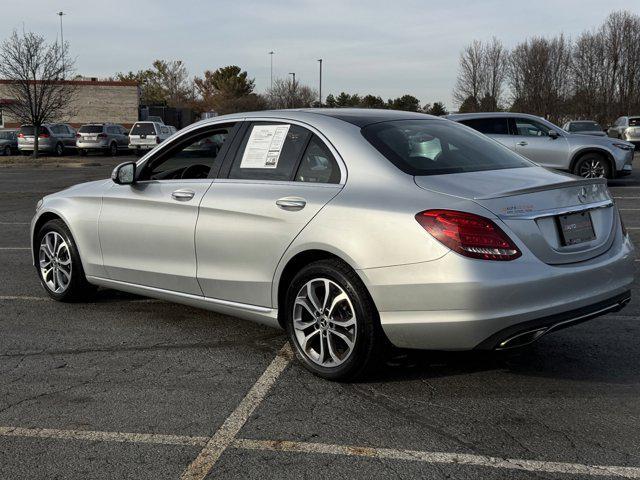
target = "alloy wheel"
x: 324, y: 322
x: 55, y: 262
x: 114, y: 149
x: 592, y: 168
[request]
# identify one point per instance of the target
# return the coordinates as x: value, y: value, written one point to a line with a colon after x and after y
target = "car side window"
x: 489, y: 126
x: 318, y: 164
x: 269, y: 151
x: 190, y: 158
x: 530, y: 128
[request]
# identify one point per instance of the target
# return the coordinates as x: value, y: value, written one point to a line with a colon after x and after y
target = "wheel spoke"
x: 327, y: 290
x: 311, y: 295
x: 341, y: 297
x: 302, y: 301
x: 307, y: 338
x: 343, y: 337
x: 332, y: 351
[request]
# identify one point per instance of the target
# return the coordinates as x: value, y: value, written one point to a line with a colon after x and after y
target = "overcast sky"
x: 386, y: 48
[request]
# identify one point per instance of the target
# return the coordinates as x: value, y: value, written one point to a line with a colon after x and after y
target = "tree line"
x: 229, y: 89
x: 596, y: 76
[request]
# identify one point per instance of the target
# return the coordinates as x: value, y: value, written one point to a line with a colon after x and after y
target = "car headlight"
x: 623, y: 146
x: 39, y: 204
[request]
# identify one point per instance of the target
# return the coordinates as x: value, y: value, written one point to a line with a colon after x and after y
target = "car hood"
x: 589, y: 132
x: 594, y: 140
x: 96, y: 187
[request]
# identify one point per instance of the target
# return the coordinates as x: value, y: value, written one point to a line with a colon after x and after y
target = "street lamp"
x: 61, y: 14
x: 293, y: 89
x: 320, y: 84
x: 271, y: 57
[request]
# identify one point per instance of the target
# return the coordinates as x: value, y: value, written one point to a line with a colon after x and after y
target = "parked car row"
x: 551, y: 146
x: 107, y: 138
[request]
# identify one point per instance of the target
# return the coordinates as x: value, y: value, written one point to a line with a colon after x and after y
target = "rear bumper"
x: 144, y: 146
x: 456, y: 303
x: 92, y: 145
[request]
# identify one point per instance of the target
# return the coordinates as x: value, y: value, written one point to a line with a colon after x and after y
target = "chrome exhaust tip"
x: 522, y: 339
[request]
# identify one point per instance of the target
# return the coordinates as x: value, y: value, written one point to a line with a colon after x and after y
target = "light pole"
x: 293, y: 89
x: 320, y: 84
x: 61, y: 14
x: 271, y: 57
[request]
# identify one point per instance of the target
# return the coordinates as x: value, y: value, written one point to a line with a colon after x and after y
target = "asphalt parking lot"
x: 127, y: 387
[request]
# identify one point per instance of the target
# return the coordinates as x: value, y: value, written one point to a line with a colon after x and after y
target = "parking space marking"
x: 440, y: 458
x: 226, y: 434
x: 95, y: 436
x: 15, y: 248
x: 14, y: 223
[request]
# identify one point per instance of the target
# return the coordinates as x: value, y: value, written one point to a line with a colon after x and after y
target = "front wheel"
x: 59, y: 149
x: 332, y: 321
x: 58, y: 263
x: 7, y: 151
x: 593, y: 165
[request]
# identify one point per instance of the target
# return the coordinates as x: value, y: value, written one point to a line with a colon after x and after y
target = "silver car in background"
x: 8, y: 142
x: 56, y: 138
x: 550, y: 146
x: 626, y: 128
x: 351, y: 229
x: 107, y: 138
x: 584, y: 127
x: 146, y: 135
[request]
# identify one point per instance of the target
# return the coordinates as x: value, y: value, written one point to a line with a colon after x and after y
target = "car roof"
x: 359, y: 117
x: 468, y: 116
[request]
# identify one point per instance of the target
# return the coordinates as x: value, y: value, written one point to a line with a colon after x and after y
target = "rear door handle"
x: 523, y: 143
x: 183, y: 195
x: 291, y: 204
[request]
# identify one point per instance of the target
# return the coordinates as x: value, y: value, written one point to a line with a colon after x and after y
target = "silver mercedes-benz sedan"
x: 351, y: 229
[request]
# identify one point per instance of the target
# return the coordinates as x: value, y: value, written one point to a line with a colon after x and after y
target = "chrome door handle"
x: 523, y: 143
x: 291, y: 203
x: 183, y: 195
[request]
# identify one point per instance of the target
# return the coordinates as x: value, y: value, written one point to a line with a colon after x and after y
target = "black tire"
x: 7, y: 151
x: 370, y: 342
x: 82, y: 152
x: 593, y: 165
x: 112, y: 150
x: 59, y: 149
x: 78, y: 288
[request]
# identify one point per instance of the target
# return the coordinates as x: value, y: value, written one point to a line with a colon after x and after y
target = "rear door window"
x: 270, y: 151
x: 634, y: 122
x: 318, y: 164
x: 489, y: 126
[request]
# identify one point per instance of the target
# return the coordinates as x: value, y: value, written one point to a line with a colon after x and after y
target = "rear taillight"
x: 21, y: 135
x: 468, y: 234
x: 102, y: 135
x: 43, y: 135
x: 78, y: 135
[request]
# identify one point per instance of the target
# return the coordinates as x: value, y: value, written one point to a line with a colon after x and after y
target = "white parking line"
x: 328, y: 449
x: 15, y: 248
x: 94, y: 436
x: 440, y: 458
x: 226, y: 434
x: 14, y: 223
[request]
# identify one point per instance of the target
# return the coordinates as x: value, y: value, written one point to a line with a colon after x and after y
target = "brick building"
x: 95, y: 101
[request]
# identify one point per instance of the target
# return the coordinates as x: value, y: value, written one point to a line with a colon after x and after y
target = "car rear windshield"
x: 634, y: 122
x: 584, y: 127
x: 143, y: 129
x: 436, y: 147
x: 27, y: 130
x: 91, y: 129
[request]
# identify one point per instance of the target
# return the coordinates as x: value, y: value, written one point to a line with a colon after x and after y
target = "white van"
x: 146, y: 135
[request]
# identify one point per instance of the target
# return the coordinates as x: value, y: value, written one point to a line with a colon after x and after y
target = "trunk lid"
x: 534, y: 203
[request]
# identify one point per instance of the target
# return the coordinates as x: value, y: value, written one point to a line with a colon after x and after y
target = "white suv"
x: 146, y: 135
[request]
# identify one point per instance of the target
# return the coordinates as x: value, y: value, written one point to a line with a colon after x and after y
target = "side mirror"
x: 553, y: 134
x: 124, y: 174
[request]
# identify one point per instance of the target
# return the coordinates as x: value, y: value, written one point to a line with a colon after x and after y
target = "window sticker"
x: 264, y: 146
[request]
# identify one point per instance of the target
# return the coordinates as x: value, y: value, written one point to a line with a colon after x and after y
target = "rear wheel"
x: 59, y: 149
x: 113, y: 149
x: 7, y: 151
x: 593, y: 165
x: 332, y: 322
x: 58, y: 263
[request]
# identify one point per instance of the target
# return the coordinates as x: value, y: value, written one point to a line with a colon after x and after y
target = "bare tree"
x: 289, y: 94
x: 494, y: 73
x: 35, y: 73
x: 470, y: 82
